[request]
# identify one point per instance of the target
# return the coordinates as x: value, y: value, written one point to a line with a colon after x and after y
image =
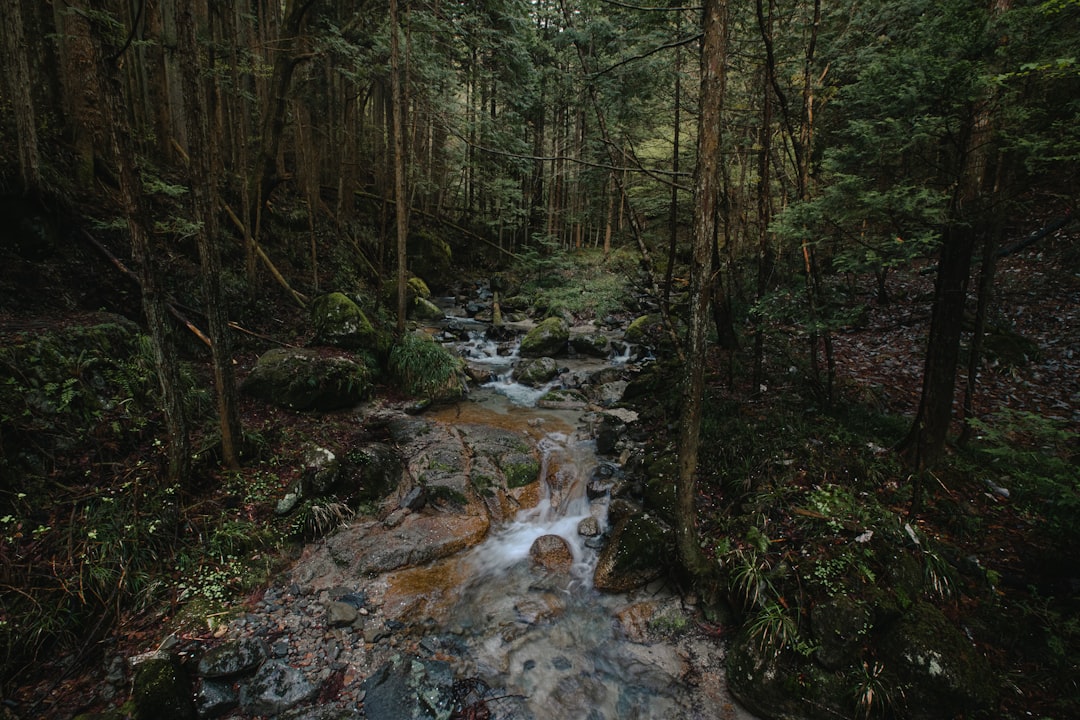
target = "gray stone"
x: 233, y: 658
x: 214, y: 698
x: 340, y: 614
x: 408, y: 689
x: 275, y: 688
x: 588, y: 527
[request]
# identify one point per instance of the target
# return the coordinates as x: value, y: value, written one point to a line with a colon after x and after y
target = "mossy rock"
x: 661, y: 481
x: 338, y: 321
x: 840, y: 625
x: 592, y: 344
x: 549, y: 338
x: 162, y: 691
x: 424, y: 309
x: 301, y: 379
x: 563, y: 399
x: 535, y: 372
x: 638, y: 552
x: 370, y: 472
x: 644, y: 330
x: 779, y: 683
x: 430, y: 256
x: 942, y: 674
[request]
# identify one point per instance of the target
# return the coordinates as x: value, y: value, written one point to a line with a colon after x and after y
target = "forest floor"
x: 879, y: 361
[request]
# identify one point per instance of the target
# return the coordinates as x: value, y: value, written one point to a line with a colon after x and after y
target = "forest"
x: 842, y: 234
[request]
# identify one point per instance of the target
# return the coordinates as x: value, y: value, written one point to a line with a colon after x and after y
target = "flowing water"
x: 547, y: 644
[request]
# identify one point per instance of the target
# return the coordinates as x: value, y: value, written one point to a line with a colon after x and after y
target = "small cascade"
x: 568, y: 462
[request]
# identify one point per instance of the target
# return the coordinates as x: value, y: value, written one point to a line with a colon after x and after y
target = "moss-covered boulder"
x: 592, y: 344
x: 431, y: 257
x: 535, y: 372
x: 644, y: 330
x: 304, y: 379
x: 546, y: 339
x: 637, y: 552
x: 941, y: 673
x: 424, y: 309
x: 774, y: 682
x: 661, y: 480
x: 840, y: 625
x: 340, y: 322
x: 162, y: 691
x: 369, y: 471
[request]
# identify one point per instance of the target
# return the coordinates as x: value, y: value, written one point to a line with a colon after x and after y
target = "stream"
x: 552, y: 645
x: 448, y: 613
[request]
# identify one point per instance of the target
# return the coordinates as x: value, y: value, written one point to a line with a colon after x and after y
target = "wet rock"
x: 560, y: 399
x: 408, y: 689
x: 214, y: 698
x: 552, y: 552
x: 233, y: 658
x: 608, y: 394
x: 637, y: 552
x: 340, y: 322
x: 588, y: 527
x: 536, y: 371
x: 548, y: 338
x: 162, y: 690
x: 275, y: 688
x: 301, y: 379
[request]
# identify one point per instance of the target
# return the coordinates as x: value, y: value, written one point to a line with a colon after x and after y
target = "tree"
x: 706, y: 214
x: 19, y: 87
x: 401, y: 197
x: 132, y: 200
x: 202, y: 154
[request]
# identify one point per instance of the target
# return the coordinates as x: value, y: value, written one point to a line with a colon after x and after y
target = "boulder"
x: 230, y: 659
x: 535, y: 372
x: 548, y: 338
x: 424, y: 309
x: 840, y: 625
x: 637, y: 553
x: 592, y: 344
x: 338, y: 321
x: 162, y: 690
x: 276, y: 688
x: 552, y: 552
x: 320, y: 471
x: 304, y: 379
x: 644, y: 330
x: 561, y: 399
x: 408, y: 689
x: 369, y: 472
x: 941, y: 672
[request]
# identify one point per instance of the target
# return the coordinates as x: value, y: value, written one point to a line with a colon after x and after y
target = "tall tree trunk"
x: 706, y: 209
x: 20, y: 91
x: 153, y: 296
x: 401, y: 197
x: 202, y: 162
x: 968, y: 210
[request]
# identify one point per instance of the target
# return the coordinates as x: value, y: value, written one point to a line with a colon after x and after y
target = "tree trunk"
x: 401, y: 197
x: 22, y: 101
x: 153, y: 297
x: 202, y: 156
x: 706, y: 208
